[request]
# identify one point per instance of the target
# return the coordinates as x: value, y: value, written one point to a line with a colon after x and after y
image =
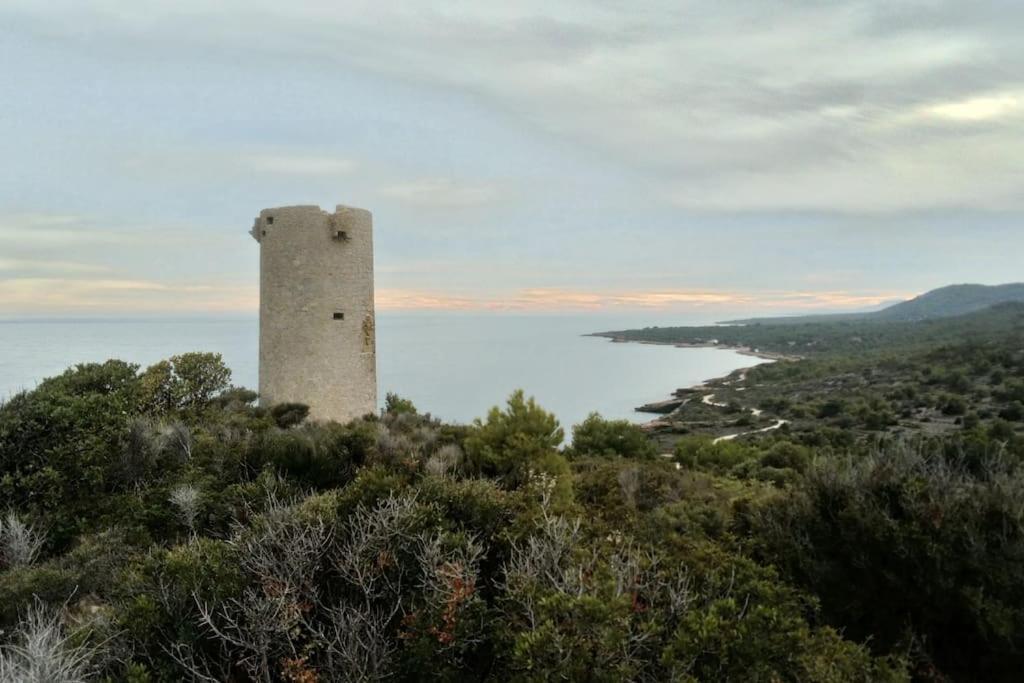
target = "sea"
x: 452, y: 365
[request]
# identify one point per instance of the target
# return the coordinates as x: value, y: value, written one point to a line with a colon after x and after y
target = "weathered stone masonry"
x: 317, y: 343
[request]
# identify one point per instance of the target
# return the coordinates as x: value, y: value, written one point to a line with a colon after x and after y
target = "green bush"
x: 444, y: 552
x: 596, y: 436
x: 701, y: 453
x: 1013, y: 412
x: 288, y: 415
x: 882, y: 540
x: 396, y: 405
x: 320, y: 457
x: 787, y: 455
x: 954, y: 405
x: 513, y: 443
x: 188, y: 381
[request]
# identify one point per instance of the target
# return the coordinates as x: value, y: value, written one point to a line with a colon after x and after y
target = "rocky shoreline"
x: 702, y: 391
x: 668, y: 405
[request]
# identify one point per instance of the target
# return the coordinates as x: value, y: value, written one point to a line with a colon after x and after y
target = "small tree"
x: 514, y: 442
x: 157, y: 386
x: 201, y: 376
x: 396, y: 405
x: 189, y: 380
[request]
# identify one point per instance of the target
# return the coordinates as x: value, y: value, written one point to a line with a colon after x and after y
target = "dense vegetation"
x: 158, y: 526
x: 842, y: 336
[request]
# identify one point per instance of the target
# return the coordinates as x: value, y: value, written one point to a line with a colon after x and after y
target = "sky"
x: 740, y: 156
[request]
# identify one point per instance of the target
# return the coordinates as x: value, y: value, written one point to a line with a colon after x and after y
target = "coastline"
x: 742, y: 350
x: 666, y: 407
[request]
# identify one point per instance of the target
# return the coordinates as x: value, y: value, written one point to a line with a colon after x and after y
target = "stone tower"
x: 317, y: 336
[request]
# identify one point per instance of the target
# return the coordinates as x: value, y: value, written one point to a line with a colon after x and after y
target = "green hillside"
x: 952, y: 301
x: 840, y: 336
x: 864, y: 523
x: 944, y: 302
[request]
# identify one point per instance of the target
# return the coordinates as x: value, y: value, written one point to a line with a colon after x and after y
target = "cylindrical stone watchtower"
x: 317, y: 329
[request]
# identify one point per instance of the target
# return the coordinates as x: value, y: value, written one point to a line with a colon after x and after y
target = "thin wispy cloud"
x: 980, y: 108
x: 678, y: 86
x: 42, y: 265
x: 581, y: 154
x: 62, y: 296
x: 295, y: 164
x: 51, y: 230
x: 442, y: 193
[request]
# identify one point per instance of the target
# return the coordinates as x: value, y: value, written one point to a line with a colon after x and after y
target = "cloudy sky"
x: 738, y: 155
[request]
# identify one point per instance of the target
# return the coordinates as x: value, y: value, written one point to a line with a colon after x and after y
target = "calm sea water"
x: 453, y: 365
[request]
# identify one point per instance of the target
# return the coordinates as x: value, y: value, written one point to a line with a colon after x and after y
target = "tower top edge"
x: 310, y: 208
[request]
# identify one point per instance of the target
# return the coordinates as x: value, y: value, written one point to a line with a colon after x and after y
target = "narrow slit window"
x: 270, y: 220
x: 338, y: 315
x: 341, y: 235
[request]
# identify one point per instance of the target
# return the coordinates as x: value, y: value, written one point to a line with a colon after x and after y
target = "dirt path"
x: 710, y: 400
x: 730, y: 437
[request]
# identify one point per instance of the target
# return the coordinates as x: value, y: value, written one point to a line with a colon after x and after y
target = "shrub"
x: 20, y: 543
x: 288, y: 415
x: 43, y: 649
x: 47, y: 581
x: 445, y: 462
x: 614, y: 490
x: 610, y: 438
x: 831, y: 408
x: 785, y: 454
x: 236, y: 398
x: 1013, y: 412
x: 701, y: 453
x: 954, y: 405
x: 187, y: 381
x: 62, y: 442
x: 187, y: 500
x: 396, y: 405
x: 511, y: 444
x: 880, y: 540
x: 322, y: 456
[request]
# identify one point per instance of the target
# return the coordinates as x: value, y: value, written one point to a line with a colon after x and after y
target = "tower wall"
x: 317, y: 327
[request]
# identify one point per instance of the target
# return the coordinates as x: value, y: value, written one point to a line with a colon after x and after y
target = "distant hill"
x: 845, y: 335
x: 944, y: 302
x: 953, y: 300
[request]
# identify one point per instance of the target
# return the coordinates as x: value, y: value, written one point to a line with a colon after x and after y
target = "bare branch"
x: 20, y: 543
x: 186, y: 498
x: 43, y: 651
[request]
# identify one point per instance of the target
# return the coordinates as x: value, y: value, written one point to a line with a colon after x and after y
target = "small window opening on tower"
x: 338, y: 315
x: 341, y: 235
x: 270, y: 220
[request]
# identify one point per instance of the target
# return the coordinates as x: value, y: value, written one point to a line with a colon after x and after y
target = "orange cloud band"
x: 19, y: 296
x: 546, y: 299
